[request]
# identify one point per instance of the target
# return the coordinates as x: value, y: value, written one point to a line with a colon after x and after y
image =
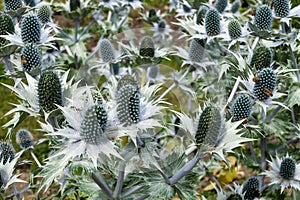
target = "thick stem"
x: 77, y: 25
x: 120, y: 180
x: 99, y: 180
x: 130, y: 191
x: 253, y: 152
x: 294, y: 62
x: 185, y: 169
x: 263, y: 149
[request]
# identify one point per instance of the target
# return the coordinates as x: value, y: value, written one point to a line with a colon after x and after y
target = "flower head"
x: 263, y: 18
x: 7, y: 152
x: 284, y: 172
x: 251, y: 188
x: 24, y: 139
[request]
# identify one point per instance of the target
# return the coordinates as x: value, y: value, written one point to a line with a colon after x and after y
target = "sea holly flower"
x: 132, y: 108
x: 211, y: 133
x: 161, y: 30
x: 264, y: 91
x: 235, y: 6
x: 262, y: 58
x: 283, y: 10
x: 44, y: 14
x: 241, y: 107
x: 88, y: 133
x: 31, y: 57
x: 221, y: 5
x: 284, y: 172
x: 185, y: 10
x: 251, y: 188
x: 263, y: 18
x: 6, y: 27
x: 7, y: 152
x: 24, y: 139
x: 12, y: 5
x: 234, y: 29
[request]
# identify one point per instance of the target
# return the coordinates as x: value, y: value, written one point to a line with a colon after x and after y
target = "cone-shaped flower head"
x: 287, y: 168
x: 44, y: 14
x: 31, y: 57
x: 162, y: 25
x: 234, y: 197
x: 251, y: 188
x: 201, y: 14
x: 7, y: 152
x: 209, y: 126
x: 196, y: 50
x: 281, y: 8
x: 241, y: 107
x: 12, y: 4
x: 24, y: 139
x: 152, y: 13
x: 221, y: 5
x: 263, y: 18
x: 31, y: 29
x: 265, y: 83
x: 212, y: 22
x: 107, y: 51
x: 93, y: 124
x: 74, y: 4
x: 147, y: 47
x: 128, y: 101
x: 97, y: 97
x: 30, y: 3
x: 262, y: 58
x: 234, y: 29
x: 49, y: 91
x: 235, y: 6
x: 6, y: 26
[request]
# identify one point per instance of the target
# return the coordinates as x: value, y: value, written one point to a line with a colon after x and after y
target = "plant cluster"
x: 142, y: 101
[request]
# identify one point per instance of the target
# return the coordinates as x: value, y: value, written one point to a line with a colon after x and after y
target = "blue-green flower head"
x: 212, y: 22
x: 287, y: 168
x: 263, y: 18
x: 147, y: 47
x: 12, y: 4
x: 7, y: 152
x: 196, y: 50
x: 49, y: 91
x: 93, y: 124
x: 265, y: 84
x: 31, y: 29
x: 6, y: 27
x: 44, y: 14
x: 241, y: 107
x: 221, y: 5
x: 24, y: 139
x: 251, y: 188
x: 107, y: 51
x: 281, y: 8
x: 234, y: 29
x: 209, y: 126
x: 31, y: 57
x: 262, y: 58
x: 235, y: 6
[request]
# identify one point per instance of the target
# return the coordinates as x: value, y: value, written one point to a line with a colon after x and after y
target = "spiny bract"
x: 196, y: 50
x: 93, y: 124
x: 262, y: 58
x: 221, y: 5
x: 49, y: 91
x: 44, y: 13
x: 107, y: 51
x: 12, y: 4
x: 147, y: 47
x: 251, y: 188
x: 209, y: 126
x: 24, y: 139
x: 31, y: 29
x: 263, y: 18
x: 281, y: 8
x: 6, y: 26
x: 234, y: 29
x: 128, y: 101
x: 241, y: 107
x: 7, y: 152
x: 287, y: 168
x: 266, y: 83
x: 212, y: 22
x: 31, y: 57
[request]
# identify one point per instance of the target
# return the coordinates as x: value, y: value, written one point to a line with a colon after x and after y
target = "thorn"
x: 267, y: 92
x: 255, y: 79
